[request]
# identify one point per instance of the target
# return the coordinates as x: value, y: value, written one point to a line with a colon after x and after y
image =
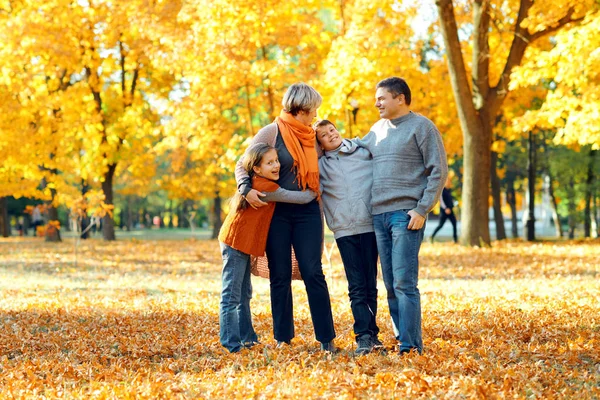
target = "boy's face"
x: 328, y: 137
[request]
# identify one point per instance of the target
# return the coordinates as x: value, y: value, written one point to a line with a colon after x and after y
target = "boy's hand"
x: 416, y: 220
x: 254, y: 200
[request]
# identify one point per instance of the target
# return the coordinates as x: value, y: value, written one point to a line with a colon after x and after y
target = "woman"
x: 297, y: 225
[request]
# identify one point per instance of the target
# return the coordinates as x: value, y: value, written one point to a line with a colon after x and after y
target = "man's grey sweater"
x: 409, y: 164
x: 346, y: 174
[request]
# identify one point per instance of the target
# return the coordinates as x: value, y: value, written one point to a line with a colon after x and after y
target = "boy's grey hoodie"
x: 346, y: 177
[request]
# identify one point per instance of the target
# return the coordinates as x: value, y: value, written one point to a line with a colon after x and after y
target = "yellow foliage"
x: 572, y: 105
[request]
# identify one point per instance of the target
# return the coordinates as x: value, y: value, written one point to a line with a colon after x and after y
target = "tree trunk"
x: 597, y: 213
x: 475, y: 229
x: 553, y: 200
x: 52, y: 232
x: 555, y: 215
x: 184, y: 223
x: 108, y: 223
x: 497, y: 200
x: 4, y: 219
x: 531, y: 168
x: 218, y: 221
x: 478, y: 103
x: 129, y: 224
x: 587, y: 215
x: 477, y: 136
x: 572, y: 209
x: 85, y: 219
x: 511, y: 200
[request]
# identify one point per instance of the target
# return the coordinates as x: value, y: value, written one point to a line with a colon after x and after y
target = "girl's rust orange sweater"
x: 247, y: 230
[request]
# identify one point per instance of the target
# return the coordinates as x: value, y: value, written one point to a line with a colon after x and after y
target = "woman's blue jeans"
x: 235, y: 319
x: 399, y: 254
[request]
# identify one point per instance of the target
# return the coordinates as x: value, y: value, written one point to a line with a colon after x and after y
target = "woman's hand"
x: 253, y: 198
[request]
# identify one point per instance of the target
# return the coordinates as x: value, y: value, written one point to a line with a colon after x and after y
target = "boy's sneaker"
x: 365, y: 346
x: 376, y: 343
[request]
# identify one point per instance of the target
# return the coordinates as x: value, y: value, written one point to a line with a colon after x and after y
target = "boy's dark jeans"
x: 359, y: 255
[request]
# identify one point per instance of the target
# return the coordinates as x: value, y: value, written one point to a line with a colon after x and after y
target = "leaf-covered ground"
x: 139, y: 319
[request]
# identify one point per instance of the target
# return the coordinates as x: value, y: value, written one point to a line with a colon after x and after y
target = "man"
x: 409, y: 172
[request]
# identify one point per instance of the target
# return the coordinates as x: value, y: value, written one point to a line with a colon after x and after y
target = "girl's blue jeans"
x: 235, y: 319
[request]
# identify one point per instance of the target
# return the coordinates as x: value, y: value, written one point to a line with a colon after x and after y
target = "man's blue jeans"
x: 235, y: 319
x: 399, y: 254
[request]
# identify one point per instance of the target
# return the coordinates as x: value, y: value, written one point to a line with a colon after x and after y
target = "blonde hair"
x: 301, y: 97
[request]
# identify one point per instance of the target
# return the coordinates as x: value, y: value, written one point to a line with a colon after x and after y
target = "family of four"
x: 376, y: 193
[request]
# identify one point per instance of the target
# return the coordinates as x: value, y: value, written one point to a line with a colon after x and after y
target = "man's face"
x: 328, y: 137
x: 388, y: 106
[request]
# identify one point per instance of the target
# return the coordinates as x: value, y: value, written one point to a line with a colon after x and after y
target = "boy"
x: 346, y: 175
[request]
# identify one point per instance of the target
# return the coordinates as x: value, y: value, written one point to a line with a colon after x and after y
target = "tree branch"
x: 522, y: 38
x: 134, y: 80
x: 122, y: 62
x: 456, y: 64
x: 567, y: 19
x: 481, y: 53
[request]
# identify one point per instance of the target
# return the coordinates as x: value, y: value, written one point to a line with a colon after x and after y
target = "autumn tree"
x: 570, y: 109
x: 91, y: 73
x: 481, y: 87
x: 234, y: 60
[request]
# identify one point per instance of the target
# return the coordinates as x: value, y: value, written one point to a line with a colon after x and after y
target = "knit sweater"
x: 247, y: 230
x: 346, y: 179
x: 409, y: 164
x: 270, y: 135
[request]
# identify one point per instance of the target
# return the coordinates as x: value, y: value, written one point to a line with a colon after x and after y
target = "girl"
x: 244, y: 233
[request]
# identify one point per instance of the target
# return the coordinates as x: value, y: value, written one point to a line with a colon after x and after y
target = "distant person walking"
x: 36, y: 219
x: 446, y: 211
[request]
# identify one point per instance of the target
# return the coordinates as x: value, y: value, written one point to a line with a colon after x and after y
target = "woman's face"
x: 306, y: 117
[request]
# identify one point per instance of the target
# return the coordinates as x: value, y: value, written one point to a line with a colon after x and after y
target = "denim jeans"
x: 399, y: 254
x: 359, y: 255
x: 300, y: 226
x: 235, y: 320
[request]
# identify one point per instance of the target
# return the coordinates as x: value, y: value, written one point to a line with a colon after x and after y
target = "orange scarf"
x: 300, y: 139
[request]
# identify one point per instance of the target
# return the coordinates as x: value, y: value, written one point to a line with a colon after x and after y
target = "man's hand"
x: 447, y: 211
x: 416, y: 220
x: 253, y: 198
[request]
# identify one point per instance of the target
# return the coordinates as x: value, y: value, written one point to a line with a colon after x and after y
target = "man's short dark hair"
x: 396, y: 86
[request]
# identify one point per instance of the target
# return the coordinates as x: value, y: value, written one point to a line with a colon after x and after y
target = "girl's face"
x: 269, y: 166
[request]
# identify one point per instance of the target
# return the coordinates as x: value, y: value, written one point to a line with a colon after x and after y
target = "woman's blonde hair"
x: 252, y: 158
x: 300, y: 97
